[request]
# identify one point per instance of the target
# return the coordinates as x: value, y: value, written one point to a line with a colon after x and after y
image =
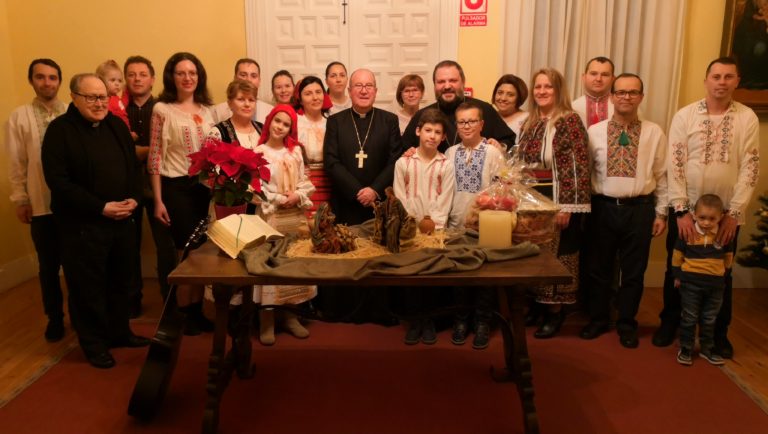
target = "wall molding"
x: 17, y: 271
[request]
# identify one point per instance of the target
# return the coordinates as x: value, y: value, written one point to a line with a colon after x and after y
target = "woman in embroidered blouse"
x: 410, y: 91
x: 554, y: 144
x: 287, y: 197
x: 312, y: 105
x: 509, y: 95
x: 336, y: 78
x: 181, y: 120
x: 282, y: 87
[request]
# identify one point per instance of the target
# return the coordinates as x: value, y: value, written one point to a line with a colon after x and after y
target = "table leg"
x: 219, y: 365
x: 518, y: 364
x: 242, y: 339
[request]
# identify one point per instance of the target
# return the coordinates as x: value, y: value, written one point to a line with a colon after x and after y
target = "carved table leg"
x: 518, y: 364
x: 219, y: 366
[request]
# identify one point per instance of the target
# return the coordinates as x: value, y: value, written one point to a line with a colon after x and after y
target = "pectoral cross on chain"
x: 360, y: 157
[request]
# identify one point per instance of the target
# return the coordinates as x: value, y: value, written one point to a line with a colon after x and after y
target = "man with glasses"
x: 89, y: 162
x: 629, y: 207
x: 596, y: 104
x: 448, y: 78
x: 23, y: 136
x: 360, y: 149
x: 713, y: 149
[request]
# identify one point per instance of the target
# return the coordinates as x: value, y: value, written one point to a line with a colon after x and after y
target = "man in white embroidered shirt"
x: 596, y: 104
x: 629, y: 207
x: 713, y: 148
x: 23, y: 136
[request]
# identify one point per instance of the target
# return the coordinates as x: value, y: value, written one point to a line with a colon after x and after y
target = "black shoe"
x: 628, y: 338
x: 54, y: 331
x: 428, y: 332
x: 665, y: 334
x: 723, y: 347
x: 535, y: 312
x: 551, y: 325
x: 482, y: 335
x: 132, y: 341
x: 413, y: 334
x: 459, y: 335
x: 102, y: 360
x: 593, y: 329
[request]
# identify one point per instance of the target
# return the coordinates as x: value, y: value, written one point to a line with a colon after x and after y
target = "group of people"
x: 81, y: 176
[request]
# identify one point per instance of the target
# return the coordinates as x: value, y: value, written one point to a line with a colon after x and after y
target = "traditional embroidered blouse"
x: 174, y: 135
x: 635, y: 169
x: 474, y: 170
x: 561, y: 146
x: 425, y: 188
x: 287, y: 175
x: 718, y: 155
x: 311, y: 135
x: 24, y: 137
x: 592, y: 110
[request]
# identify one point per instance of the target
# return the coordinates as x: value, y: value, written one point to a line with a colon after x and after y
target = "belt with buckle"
x: 637, y: 200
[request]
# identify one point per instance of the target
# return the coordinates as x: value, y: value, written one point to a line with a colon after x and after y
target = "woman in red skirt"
x: 312, y: 104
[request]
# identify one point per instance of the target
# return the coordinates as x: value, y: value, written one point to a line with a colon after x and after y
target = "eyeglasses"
x: 627, y: 93
x: 469, y: 123
x: 90, y: 99
x: 360, y: 86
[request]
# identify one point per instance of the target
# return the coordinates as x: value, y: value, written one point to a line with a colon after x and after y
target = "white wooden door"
x: 390, y: 37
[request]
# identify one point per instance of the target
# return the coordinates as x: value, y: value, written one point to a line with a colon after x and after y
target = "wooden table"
x: 207, y: 265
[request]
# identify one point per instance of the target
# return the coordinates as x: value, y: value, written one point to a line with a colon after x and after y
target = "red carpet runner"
x: 362, y: 380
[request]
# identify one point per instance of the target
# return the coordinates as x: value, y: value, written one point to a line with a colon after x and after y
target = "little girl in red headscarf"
x: 287, y: 198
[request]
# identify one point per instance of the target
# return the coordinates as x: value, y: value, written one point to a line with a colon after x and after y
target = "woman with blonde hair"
x: 554, y: 145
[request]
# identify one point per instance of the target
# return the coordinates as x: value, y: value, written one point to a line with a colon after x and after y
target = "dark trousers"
x: 45, y: 236
x: 625, y: 230
x: 671, y: 312
x: 98, y: 260
x: 482, y: 298
x: 700, y: 305
x: 164, y: 248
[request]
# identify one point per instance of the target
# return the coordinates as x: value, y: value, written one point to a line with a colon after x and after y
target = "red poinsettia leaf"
x: 264, y: 173
x: 231, y: 168
x: 256, y: 185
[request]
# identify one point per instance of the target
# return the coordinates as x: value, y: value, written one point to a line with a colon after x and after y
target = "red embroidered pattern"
x: 155, y: 144
x: 679, y: 160
x: 621, y: 161
x: 714, y: 135
x: 753, y: 168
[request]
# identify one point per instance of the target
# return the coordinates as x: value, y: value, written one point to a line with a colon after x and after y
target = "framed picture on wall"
x: 745, y: 37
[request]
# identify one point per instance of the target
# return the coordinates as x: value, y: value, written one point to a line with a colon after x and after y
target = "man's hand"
x: 366, y: 196
x: 659, y: 224
x: 161, y: 214
x: 562, y: 219
x: 677, y: 283
x: 727, y: 230
x: 685, y: 229
x: 119, y: 210
x: 24, y: 213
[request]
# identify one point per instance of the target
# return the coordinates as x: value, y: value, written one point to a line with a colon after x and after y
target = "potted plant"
x: 233, y: 173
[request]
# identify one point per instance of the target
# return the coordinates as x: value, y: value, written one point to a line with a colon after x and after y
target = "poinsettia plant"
x: 233, y: 173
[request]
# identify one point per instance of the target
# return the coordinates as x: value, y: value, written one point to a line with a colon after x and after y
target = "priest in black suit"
x: 361, y: 147
x: 448, y: 78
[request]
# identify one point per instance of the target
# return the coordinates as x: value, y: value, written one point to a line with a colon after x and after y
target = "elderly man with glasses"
x: 90, y: 165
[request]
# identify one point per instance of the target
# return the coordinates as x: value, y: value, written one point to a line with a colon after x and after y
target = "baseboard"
x: 742, y: 277
x: 17, y: 271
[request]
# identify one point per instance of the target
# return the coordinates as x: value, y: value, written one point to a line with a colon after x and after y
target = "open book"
x: 238, y: 231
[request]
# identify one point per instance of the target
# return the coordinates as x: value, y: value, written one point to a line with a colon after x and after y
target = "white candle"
x: 495, y: 229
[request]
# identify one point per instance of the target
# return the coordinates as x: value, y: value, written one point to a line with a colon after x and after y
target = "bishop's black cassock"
x: 382, y: 148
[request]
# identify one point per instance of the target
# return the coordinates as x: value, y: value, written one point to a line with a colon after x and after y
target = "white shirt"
x: 335, y: 108
x: 463, y: 199
x: 287, y: 175
x: 649, y: 165
x: 579, y: 105
x: 426, y: 188
x: 516, y: 124
x: 311, y: 135
x: 718, y: 155
x: 24, y: 133
x: 173, y: 136
x: 222, y: 112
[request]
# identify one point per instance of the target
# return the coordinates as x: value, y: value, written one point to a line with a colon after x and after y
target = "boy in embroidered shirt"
x: 476, y: 163
x: 699, y: 268
x: 424, y: 183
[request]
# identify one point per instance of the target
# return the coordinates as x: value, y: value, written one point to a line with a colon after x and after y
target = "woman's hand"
x: 562, y: 219
x: 291, y: 200
x: 162, y: 214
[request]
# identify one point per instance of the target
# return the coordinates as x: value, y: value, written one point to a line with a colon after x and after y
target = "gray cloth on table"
x: 461, y: 253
